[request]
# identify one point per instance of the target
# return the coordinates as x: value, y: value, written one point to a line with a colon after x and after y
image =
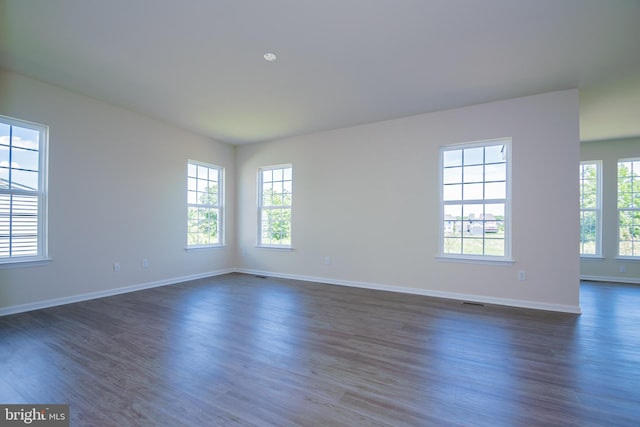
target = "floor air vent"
x: 479, y: 304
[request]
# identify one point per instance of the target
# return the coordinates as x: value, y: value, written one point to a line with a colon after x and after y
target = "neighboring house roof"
x: 4, y: 184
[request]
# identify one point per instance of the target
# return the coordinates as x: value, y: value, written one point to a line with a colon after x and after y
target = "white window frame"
x: 506, y: 257
x: 41, y: 194
x: 263, y: 208
x: 192, y: 193
x: 597, y: 209
x: 635, y: 248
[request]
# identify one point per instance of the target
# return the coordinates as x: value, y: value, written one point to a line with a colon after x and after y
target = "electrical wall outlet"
x: 145, y: 263
x: 116, y: 266
x: 522, y: 275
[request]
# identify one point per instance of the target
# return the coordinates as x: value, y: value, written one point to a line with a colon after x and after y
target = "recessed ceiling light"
x: 270, y: 56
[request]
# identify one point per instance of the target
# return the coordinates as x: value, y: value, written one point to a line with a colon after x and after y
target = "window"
x: 475, y: 200
x: 204, y: 202
x: 274, y: 206
x: 23, y: 191
x: 629, y: 208
x: 590, y: 209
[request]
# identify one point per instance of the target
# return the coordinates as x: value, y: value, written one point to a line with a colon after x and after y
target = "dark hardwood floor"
x: 242, y: 350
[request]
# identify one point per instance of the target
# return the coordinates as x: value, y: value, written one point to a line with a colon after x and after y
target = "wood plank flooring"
x: 249, y: 351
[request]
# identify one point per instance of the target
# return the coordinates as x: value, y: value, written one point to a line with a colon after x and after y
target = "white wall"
x: 367, y: 197
x: 608, y: 267
x: 117, y: 183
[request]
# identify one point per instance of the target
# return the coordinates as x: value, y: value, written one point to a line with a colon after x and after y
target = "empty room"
x: 338, y: 213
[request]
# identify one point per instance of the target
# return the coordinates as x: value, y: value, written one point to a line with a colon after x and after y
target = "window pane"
x: 452, y: 158
x: 495, y: 190
x: 192, y: 184
x: 453, y: 211
x: 497, y: 172
x: 473, y: 246
x: 495, y: 209
x: 494, y: 153
x: 453, y: 228
x: 24, y: 225
x: 452, y: 220
x: 472, y: 191
x: 624, y: 168
x: 625, y: 199
x: 212, y: 195
x: 4, y: 156
x: 494, y: 247
x: 25, y: 159
x: 277, y: 190
x: 588, y: 223
x: 5, y: 131
x: 287, y: 187
x: 4, y: 177
x: 473, y: 173
x: 202, y: 184
x: 627, y: 233
x: 203, y: 172
x: 452, y: 245
x: 23, y: 180
x: 589, y: 201
x: 452, y: 176
x: 452, y: 192
x: 25, y: 138
x: 192, y: 197
x: 266, y: 195
x: 472, y: 212
x: 473, y: 156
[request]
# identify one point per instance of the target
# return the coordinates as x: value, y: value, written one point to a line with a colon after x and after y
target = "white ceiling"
x: 199, y: 63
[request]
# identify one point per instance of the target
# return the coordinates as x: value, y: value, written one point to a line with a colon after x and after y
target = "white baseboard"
x: 366, y: 285
x: 107, y: 293
x: 425, y: 292
x: 614, y: 279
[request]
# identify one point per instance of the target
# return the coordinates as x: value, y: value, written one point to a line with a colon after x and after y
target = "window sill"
x: 476, y: 260
x: 204, y: 248
x: 591, y: 258
x: 25, y: 263
x: 278, y: 248
x: 628, y: 258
